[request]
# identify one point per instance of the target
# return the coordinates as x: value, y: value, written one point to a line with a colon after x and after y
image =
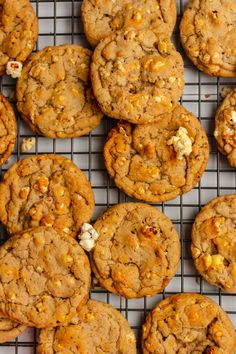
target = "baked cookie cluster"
x: 157, y: 152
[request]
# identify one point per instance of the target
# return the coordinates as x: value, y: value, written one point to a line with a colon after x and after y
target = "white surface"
x: 206, y: 93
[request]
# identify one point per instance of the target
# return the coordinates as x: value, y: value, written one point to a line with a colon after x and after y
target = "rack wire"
x: 60, y: 22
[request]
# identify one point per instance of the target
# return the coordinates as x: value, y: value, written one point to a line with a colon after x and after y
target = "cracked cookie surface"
x: 47, y: 190
x: 146, y: 166
x: 208, y: 35
x: 225, y: 127
x: 98, y: 328
x: 9, y: 329
x: 103, y: 17
x: 8, y: 129
x: 214, y: 242
x: 137, y: 252
x: 54, y: 93
x: 137, y: 76
x: 188, y: 323
x: 18, y: 31
x: 44, y: 277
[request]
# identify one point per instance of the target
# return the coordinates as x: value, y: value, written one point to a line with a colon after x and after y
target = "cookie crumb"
x: 27, y: 144
x: 224, y: 91
x: 181, y: 142
x: 14, y: 69
x: 87, y: 237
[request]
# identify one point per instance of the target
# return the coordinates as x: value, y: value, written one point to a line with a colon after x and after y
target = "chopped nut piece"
x: 181, y: 142
x: 27, y: 144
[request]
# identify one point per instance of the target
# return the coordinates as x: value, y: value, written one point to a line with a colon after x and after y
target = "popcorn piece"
x: 181, y: 142
x: 87, y: 245
x: 27, y: 144
x: 233, y: 117
x: 14, y: 69
x: 88, y: 236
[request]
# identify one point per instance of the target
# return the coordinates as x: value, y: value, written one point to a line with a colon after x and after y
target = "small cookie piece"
x: 8, y: 129
x: 54, y: 94
x: 225, y: 127
x: 152, y: 162
x: 137, y: 76
x: 27, y: 144
x: 138, y: 250
x: 45, y: 277
x: 102, y: 18
x: 188, y: 323
x: 47, y: 190
x: 19, y: 31
x: 9, y: 329
x: 208, y: 35
x: 214, y: 242
x: 97, y: 328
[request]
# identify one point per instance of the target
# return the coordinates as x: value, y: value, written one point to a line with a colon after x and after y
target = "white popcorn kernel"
x: 27, y: 144
x: 94, y: 234
x: 14, y: 69
x: 86, y: 227
x: 85, y: 236
x: 233, y: 117
x: 87, y: 244
x: 88, y: 236
x: 181, y: 142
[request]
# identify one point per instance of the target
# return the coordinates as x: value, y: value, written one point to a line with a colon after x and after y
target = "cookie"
x: 214, y: 242
x: 188, y: 323
x: 98, y: 328
x: 102, y: 18
x: 8, y: 129
x: 54, y: 94
x: 47, y: 190
x: 137, y: 252
x: 44, y: 277
x: 158, y: 162
x: 137, y: 76
x: 19, y: 31
x: 9, y: 329
x: 225, y: 127
x: 208, y: 35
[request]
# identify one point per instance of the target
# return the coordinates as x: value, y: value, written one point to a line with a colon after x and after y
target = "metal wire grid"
x: 60, y: 23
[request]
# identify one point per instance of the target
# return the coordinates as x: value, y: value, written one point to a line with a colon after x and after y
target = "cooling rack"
x: 59, y: 23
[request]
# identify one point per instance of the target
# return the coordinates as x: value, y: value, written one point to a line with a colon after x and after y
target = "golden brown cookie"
x: 54, y: 93
x: 158, y: 162
x: 104, y: 17
x: 44, y: 277
x: 225, y: 127
x: 47, y: 190
x: 9, y: 329
x: 137, y: 75
x: 137, y: 252
x: 208, y: 35
x: 98, y: 328
x: 214, y: 242
x: 188, y: 323
x: 18, y: 31
x: 8, y: 129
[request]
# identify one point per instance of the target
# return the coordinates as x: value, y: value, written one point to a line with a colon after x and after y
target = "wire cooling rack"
x: 59, y: 23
